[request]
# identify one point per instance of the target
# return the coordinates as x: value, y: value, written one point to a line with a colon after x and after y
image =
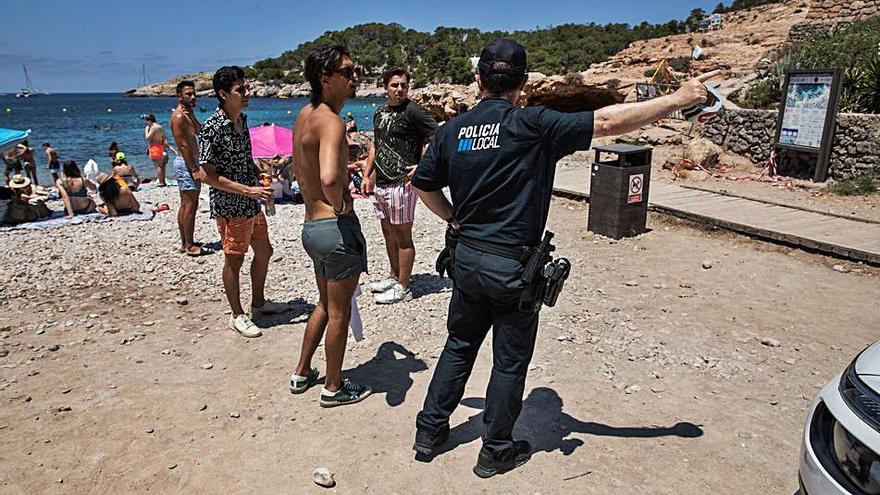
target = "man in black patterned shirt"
x: 226, y: 165
x: 401, y: 129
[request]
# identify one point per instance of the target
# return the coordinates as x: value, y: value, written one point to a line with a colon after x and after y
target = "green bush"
x: 856, y: 186
x: 444, y: 54
x: 853, y: 49
x: 765, y: 93
x: 680, y: 64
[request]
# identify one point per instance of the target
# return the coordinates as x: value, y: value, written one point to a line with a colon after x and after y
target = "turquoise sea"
x: 81, y: 126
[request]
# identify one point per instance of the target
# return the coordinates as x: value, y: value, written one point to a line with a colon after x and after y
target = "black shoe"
x: 487, y: 466
x: 427, y: 443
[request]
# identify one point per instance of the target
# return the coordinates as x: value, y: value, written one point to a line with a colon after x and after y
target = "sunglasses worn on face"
x: 348, y: 72
x: 242, y: 90
x: 401, y: 85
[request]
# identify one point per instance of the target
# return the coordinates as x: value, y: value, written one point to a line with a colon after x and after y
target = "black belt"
x: 518, y: 253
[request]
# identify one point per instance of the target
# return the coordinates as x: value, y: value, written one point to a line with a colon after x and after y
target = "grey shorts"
x: 336, y: 246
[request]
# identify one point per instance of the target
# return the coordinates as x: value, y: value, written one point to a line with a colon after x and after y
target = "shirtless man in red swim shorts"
x: 156, y: 144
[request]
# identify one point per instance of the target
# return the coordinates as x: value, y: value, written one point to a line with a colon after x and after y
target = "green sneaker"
x: 350, y: 393
x: 299, y: 384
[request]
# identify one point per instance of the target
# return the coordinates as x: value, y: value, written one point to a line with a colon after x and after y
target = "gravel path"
x: 682, y: 360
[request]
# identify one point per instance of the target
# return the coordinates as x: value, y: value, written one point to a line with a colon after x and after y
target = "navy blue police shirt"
x: 499, y: 162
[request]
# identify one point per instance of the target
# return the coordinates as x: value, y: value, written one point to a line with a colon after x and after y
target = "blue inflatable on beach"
x: 11, y: 137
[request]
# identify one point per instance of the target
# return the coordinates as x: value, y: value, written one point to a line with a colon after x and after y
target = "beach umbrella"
x: 11, y: 137
x: 270, y: 140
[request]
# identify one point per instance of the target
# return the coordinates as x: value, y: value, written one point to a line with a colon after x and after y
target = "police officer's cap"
x: 503, y: 50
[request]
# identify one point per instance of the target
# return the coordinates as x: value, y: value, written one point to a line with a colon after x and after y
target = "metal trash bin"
x: 619, y: 191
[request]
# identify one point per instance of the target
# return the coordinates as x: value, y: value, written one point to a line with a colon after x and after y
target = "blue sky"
x: 89, y: 46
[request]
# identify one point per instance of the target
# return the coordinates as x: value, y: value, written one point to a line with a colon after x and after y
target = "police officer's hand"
x: 410, y: 171
x: 694, y: 92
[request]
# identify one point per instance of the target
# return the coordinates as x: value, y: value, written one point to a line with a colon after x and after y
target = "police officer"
x: 498, y: 162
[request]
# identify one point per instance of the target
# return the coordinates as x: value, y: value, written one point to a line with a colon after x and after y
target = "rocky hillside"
x: 167, y: 88
x: 568, y: 93
x: 259, y: 89
x: 737, y: 48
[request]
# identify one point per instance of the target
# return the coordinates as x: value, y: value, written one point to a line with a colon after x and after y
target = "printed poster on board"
x: 806, y: 104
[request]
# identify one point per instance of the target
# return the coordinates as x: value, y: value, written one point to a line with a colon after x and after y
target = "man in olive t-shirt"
x: 400, y: 129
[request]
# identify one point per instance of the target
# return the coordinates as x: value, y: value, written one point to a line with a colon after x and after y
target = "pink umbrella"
x: 270, y: 140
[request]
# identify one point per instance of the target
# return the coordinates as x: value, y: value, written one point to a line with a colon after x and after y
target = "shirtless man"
x: 156, y: 144
x: 185, y: 127
x: 52, y: 158
x: 331, y: 232
x: 26, y: 155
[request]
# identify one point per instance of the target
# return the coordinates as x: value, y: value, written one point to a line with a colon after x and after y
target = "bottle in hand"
x: 266, y: 181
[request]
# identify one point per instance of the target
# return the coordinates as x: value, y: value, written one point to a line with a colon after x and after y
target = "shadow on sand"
x: 428, y: 283
x: 548, y: 428
x: 387, y: 373
x: 299, y: 312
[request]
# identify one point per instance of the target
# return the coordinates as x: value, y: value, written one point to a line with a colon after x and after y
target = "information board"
x: 806, y: 104
x: 808, y: 114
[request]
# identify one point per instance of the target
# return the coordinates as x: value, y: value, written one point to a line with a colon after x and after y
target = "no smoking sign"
x: 636, y: 185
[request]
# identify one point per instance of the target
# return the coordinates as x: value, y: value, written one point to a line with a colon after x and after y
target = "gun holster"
x: 543, y: 277
x: 446, y: 259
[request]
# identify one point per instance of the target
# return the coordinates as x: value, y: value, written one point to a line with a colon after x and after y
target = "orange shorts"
x: 237, y: 233
x: 156, y: 151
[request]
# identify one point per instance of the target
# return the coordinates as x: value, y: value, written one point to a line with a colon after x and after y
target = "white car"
x: 840, y: 453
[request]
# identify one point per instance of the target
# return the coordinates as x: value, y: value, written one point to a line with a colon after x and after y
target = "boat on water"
x: 29, y: 90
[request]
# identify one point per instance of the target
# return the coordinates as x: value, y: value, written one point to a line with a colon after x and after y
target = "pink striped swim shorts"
x: 395, y: 202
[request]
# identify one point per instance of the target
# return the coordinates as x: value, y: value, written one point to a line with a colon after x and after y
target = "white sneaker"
x: 243, y: 325
x: 269, y: 308
x: 395, y: 294
x: 383, y: 285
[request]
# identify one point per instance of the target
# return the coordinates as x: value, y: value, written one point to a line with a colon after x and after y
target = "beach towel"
x: 59, y: 219
x: 153, y: 184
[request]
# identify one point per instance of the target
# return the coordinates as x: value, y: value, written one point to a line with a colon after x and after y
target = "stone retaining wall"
x: 827, y: 15
x: 749, y: 133
x: 842, y: 10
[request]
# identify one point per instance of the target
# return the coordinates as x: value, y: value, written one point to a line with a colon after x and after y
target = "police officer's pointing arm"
x: 626, y: 117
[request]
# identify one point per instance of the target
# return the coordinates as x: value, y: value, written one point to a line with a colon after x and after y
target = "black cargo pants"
x: 486, y: 294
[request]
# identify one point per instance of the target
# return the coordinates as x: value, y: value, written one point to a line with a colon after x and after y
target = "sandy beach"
x: 119, y: 374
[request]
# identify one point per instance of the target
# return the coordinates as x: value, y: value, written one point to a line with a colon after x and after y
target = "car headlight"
x: 858, y: 462
x: 863, y: 401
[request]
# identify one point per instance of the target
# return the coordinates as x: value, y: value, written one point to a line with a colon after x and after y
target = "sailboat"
x: 29, y: 90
